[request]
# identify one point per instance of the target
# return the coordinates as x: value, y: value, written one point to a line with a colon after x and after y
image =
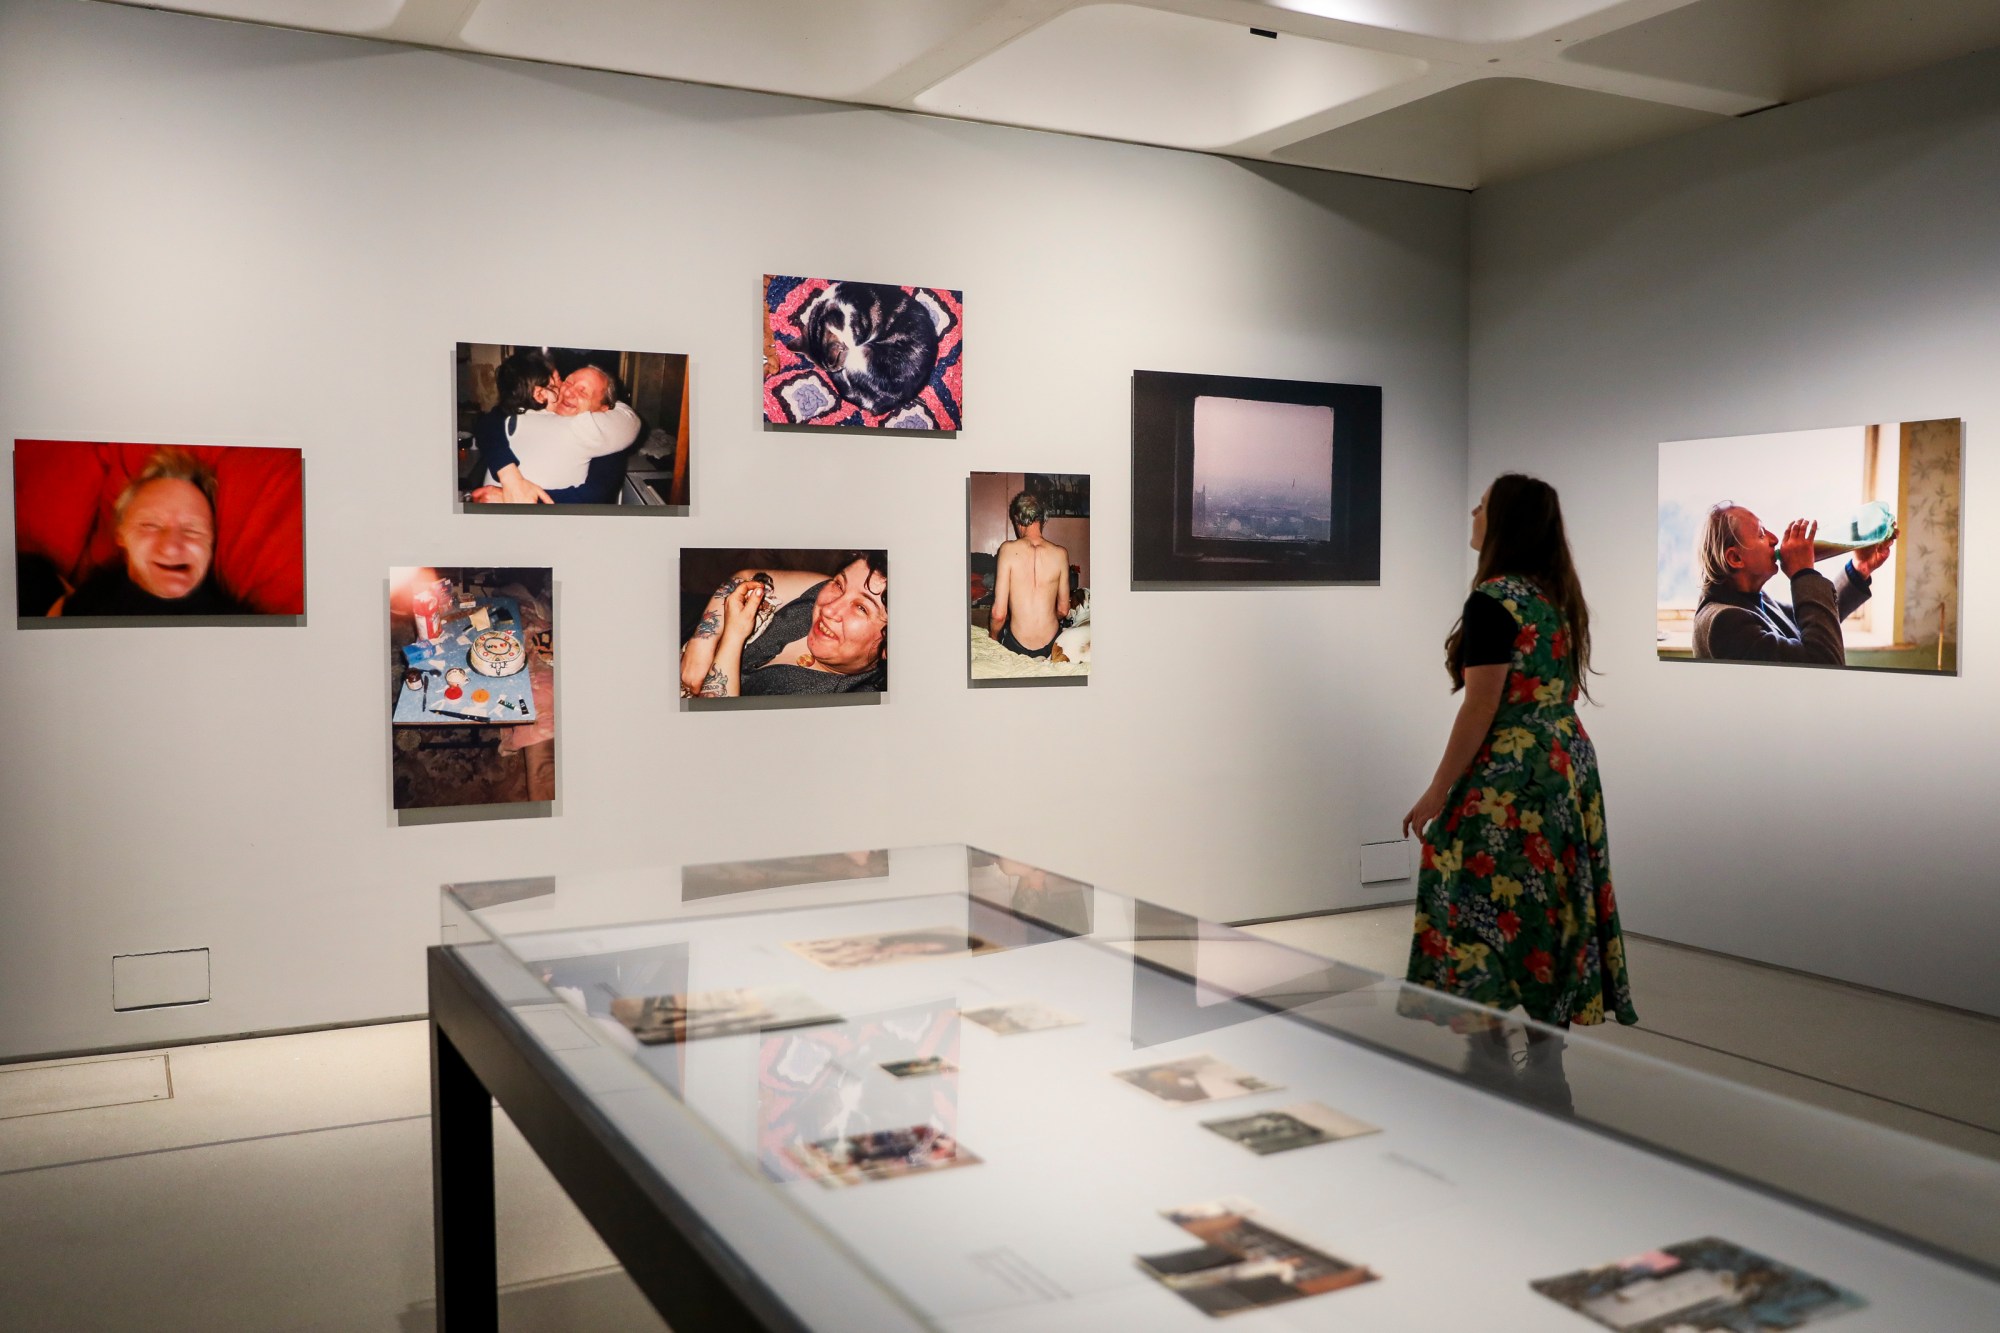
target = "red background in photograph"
x: 64, y: 491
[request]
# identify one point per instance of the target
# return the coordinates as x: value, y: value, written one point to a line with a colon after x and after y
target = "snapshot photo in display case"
x: 885, y: 1072
x: 1702, y: 1286
x: 557, y: 427
x: 1836, y: 547
x: 472, y: 706
x: 874, y: 356
x: 783, y: 622
x: 1028, y: 554
x: 201, y: 532
x: 1255, y: 481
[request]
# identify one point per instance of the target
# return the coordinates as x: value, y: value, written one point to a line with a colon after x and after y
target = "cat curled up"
x: 878, y: 344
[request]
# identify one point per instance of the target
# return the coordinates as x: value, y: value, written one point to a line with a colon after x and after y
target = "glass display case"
x: 936, y: 1088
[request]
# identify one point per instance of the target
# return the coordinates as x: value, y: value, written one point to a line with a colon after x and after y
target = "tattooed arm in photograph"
x: 739, y: 621
x: 698, y: 653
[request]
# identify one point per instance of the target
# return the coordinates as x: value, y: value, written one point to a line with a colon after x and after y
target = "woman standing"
x: 1514, y: 902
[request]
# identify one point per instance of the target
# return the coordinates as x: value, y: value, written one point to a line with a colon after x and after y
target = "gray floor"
x: 284, y: 1182
x: 1916, y: 1067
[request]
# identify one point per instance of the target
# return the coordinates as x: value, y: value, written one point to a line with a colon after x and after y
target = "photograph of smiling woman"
x: 792, y: 622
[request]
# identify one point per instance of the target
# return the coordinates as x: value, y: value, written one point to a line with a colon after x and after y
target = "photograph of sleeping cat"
x: 1028, y: 556
x: 861, y: 354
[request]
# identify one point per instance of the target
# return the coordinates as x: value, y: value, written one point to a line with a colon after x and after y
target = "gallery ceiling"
x: 1460, y: 93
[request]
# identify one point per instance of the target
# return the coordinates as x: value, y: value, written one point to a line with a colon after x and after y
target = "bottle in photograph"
x: 427, y: 609
x: 1862, y: 526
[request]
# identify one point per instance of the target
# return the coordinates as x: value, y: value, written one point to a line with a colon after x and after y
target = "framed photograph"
x: 472, y: 706
x: 1244, y: 1263
x: 867, y: 355
x: 1255, y: 481
x: 1837, y: 547
x: 136, y: 531
x: 783, y: 622
x: 847, y: 952
x: 1300, y: 1126
x: 1198, y: 1078
x: 558, y: 427
x: 1028, y: 557
x: 1705, y: 1284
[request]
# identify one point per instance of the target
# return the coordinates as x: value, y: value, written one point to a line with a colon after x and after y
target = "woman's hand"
x: 516, y: 489
x: 739, y: 609
x: 1428, y: 807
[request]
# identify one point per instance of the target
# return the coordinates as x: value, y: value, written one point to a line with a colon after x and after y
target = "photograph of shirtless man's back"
x: 1028, y: 543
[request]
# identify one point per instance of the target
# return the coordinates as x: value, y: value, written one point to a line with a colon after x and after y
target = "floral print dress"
x: 1514, y: 901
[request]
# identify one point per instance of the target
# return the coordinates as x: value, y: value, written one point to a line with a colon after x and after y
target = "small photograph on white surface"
x: 1699, y: 1286
x: 655, y: 1019
x: 1021, y: 1016
x: 923, y: 1067
x: 1300, y: 1126
x: 881, y: 1154
x: 1198, y: 1078
x: 1244, y: 1263
x: 819, y: 1084
x: 847, y: 952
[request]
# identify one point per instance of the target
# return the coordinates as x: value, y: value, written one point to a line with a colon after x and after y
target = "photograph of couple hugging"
x: 571, y: 426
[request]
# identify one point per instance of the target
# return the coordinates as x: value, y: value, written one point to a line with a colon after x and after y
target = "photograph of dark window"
x: 1253, y: 481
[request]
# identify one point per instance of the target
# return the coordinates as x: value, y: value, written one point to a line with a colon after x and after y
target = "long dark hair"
x: 1525, y: 538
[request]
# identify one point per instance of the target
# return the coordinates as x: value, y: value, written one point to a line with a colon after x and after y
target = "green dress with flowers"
x: 1514, y: 902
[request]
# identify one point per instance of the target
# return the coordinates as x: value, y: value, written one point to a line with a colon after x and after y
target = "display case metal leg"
x: 468, y: 1274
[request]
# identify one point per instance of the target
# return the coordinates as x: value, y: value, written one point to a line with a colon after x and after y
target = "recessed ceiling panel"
x: 1143, y: 74
x: 1786, y: 50
x: 1489, y: 131
x: 317, y: 15
x: 1455, y: 20
x: 807, y: 47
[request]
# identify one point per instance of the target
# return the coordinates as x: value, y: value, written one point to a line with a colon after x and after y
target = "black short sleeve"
x: 1489, y: 633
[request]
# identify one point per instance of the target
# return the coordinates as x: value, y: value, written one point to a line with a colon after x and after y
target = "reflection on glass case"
x: 774, y: 1128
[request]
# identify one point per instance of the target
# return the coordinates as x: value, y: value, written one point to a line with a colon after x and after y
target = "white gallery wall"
x: 217, y: 233
x: 1828, y: 264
